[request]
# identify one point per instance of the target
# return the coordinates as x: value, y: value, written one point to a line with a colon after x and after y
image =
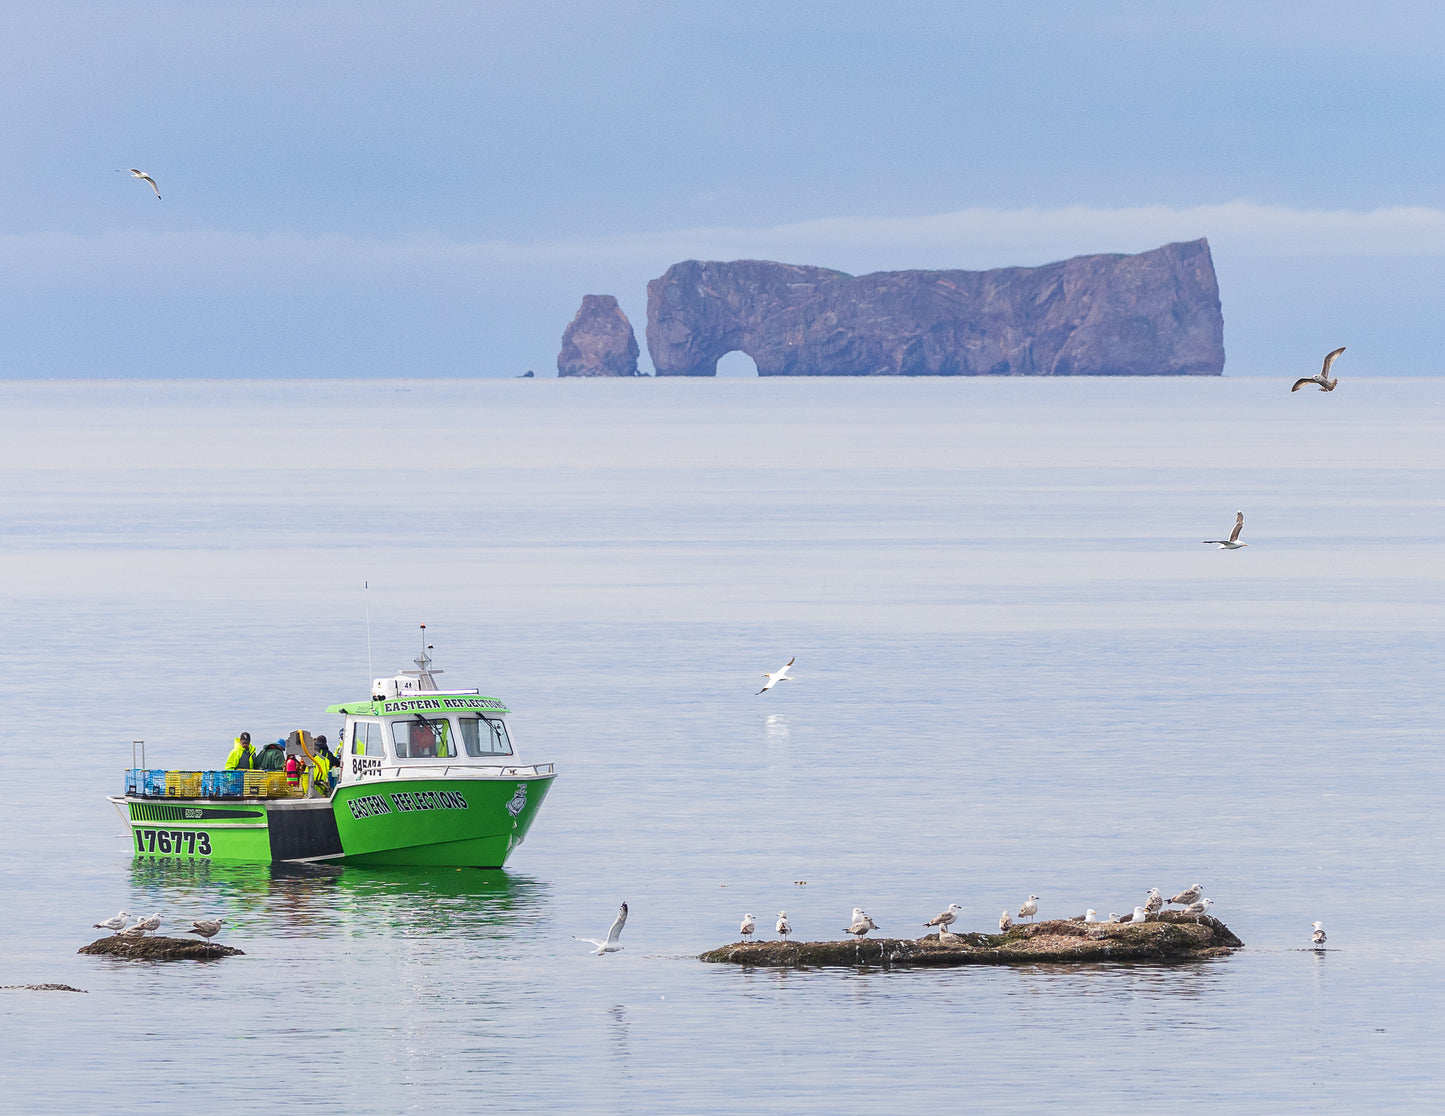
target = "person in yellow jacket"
x: 242, y: 757
x: 321, y: 759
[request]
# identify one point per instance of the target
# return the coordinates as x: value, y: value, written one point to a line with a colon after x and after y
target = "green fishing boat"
x: 425, y: 776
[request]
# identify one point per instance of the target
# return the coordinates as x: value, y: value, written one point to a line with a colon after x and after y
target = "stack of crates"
x: 254, y: 783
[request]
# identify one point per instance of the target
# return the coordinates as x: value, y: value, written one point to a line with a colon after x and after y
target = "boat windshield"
x: 485, y: 736
x: 422, y: 739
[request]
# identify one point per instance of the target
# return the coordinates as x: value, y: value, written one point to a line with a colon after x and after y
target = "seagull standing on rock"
x: 1155, y: 902
x: 1004, y: 923
x: 860, y: 925
x: 1323, y: 379
x: 1139, y: 915
x: 781, y: 676
x: 747, y: 928
x: 1231, y: 543
x: 1091, y: 915
x: 136, y: 931
x: 1189, y: 895
x: 609, y: 945
x: 946, y: 919
x: 117, y: 924
x: 1199, y: 908
x: 784, y: 926
x: 1030, y: 908
x: 207, y: 928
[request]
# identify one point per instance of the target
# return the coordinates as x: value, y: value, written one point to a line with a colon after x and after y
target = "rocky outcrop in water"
x: 1168, y: 937
x: 599, y: 341
x: 1152, y: 314
x: 159, y: 948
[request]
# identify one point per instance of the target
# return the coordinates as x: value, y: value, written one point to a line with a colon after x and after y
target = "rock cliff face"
x: 1154, y: 314
x: 599, y: 341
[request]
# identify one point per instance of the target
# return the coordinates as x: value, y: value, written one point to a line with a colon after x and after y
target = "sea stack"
x: 1152, y: 314
x: 599, y: 341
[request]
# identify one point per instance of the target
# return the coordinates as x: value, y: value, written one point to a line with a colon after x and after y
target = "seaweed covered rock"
x: 159, y: 949
x: 1166, y: 937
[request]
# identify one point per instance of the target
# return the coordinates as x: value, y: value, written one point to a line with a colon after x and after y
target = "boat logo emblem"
x: 519, y: 800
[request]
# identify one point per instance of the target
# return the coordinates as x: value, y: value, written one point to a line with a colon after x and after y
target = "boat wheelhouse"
x: 424, y: 776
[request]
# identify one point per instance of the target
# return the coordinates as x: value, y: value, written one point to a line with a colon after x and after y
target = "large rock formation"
x: 1154, y: 314
x: 599, y: 341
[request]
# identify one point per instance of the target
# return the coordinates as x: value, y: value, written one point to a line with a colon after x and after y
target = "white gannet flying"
x: 609, y: 945
x: 1231, y: 543
x: 1323, y: 379
x: 1189, y: 895
x: 781, y: 676
x: 117, y: 924
x: 206, y: 927
x: 1154, y: 903
x: 860, y: 925
x: 1030, y: 908
x: 946, y: 919
x: 1199, y: 908
x: 784, y: 926
x: 748, y: 926
x: 1004, y: 922
x: 1318, y: 937
x: 147, y: 178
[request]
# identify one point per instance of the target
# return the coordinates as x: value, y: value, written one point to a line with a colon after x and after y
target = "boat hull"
x: 463, y: 823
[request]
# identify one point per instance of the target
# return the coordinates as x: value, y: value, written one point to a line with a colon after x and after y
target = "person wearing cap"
x: 322, y: 758
x: 242, y: 757
x: 272, y: 757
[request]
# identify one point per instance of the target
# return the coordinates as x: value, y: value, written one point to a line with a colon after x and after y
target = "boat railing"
x: 491, y: 771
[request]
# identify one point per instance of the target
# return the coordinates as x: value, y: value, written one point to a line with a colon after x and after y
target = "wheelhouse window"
x: 366, y: 738
x: 485, y: 736
x: 422, y: 739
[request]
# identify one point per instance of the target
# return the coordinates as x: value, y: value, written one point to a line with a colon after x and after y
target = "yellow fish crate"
x: 183, y: 784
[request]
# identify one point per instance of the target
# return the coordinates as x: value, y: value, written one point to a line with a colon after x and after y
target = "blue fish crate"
x: 223, y: 784
x: 147, y: 784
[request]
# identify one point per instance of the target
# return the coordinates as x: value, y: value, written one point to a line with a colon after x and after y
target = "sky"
x: 428, y: 190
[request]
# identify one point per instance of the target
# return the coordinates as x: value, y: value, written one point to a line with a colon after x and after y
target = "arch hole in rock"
x: 735, y: 364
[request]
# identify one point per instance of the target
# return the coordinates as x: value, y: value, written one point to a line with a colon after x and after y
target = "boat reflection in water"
x: 284, y: 900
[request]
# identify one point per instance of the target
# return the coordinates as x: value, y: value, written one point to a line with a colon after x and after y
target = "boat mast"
x: 423, y: 673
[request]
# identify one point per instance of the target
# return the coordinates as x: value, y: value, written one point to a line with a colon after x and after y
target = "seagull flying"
x: 748, y: 926
x: 1030, y: 908
x: 1318, y: 937
x: 860, y: 925
x: 1004, y: 922
x: 1323, y: 379
x: 1231, y: 543
x: 1199, y: 908
x: 784, y: 926
x: 117, y: 924
x: 1189, y: 895
x: 609, y: 945
x: 147, y: 178
x: 946, y: 919
x: 781, y: 676
x: 206, y: 927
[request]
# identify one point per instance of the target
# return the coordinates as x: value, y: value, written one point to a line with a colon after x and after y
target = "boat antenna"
x: 423, y: 673
x: 366, y: 587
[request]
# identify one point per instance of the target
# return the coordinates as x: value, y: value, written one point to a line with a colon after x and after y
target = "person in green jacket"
x: 242, y: 758
x: 272, y: 757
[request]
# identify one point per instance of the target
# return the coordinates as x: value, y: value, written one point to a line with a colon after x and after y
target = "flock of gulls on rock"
x: 1194, y: 902
x: 120, y: 925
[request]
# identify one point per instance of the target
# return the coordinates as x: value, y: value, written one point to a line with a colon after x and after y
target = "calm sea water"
x: 1017, y: 671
